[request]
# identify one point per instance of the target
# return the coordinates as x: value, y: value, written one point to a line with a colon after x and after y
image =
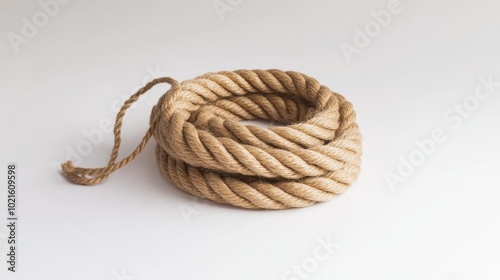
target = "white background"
x: 442, y: 222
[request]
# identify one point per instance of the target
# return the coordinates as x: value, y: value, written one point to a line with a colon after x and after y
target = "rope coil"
x: 204, y: 149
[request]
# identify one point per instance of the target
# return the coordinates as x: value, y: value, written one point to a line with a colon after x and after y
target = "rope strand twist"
x: 204, y: 149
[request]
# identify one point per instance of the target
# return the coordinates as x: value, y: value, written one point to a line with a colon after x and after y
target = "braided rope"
x: 204, y: 149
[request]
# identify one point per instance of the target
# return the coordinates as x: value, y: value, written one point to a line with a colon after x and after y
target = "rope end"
x: 75, y: 175
x: 67, y: 167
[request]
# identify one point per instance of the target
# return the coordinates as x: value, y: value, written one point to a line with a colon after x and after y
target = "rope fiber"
x: 204, y: 149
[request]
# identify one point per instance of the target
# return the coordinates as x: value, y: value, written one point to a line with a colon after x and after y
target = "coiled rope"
x: 204, y: 149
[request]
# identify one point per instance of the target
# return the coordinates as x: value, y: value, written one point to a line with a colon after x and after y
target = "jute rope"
x: 204, y: 149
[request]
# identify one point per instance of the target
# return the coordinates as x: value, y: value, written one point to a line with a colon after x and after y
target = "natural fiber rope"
x: 204, y: 149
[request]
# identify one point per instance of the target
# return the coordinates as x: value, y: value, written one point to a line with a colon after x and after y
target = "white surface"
x: 441, y: 223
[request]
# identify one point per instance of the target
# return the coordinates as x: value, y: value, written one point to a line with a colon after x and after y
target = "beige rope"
x: 204, y: 149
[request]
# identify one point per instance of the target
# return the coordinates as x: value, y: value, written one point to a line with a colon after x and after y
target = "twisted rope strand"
x: 204, y: 149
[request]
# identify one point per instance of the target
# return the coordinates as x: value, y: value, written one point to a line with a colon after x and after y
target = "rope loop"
x: 204, y: 149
